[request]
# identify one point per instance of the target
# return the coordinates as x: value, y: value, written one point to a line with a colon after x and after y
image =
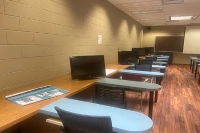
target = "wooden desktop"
x: 16, y: 118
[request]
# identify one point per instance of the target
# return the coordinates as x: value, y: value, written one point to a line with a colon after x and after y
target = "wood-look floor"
x: 178, y: 106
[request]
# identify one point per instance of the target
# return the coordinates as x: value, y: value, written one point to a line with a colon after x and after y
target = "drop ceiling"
x: 158, y: 12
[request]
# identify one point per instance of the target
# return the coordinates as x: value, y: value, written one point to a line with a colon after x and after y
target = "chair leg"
x: 141, y: 100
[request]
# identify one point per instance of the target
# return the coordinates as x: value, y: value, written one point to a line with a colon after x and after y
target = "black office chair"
x: 143, y: 61
x: 111, y: 96
x: 77, y: 123
x: 143, y: 67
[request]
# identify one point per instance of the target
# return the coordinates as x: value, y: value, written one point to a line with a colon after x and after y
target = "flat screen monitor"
x: 149, y: 50
x: 87, y: 67
x: 127, y: 57
x: 139, y: 51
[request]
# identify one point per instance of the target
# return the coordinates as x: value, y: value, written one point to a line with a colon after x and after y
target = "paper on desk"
x: 109, y: 71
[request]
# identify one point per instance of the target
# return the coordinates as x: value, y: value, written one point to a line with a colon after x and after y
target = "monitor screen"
x: 149, y: 50
x: 127, y: 57
x: 87, y: 67
x: 139, y: 51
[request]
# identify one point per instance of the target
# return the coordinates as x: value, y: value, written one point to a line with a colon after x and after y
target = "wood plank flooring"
x: 178, y: 106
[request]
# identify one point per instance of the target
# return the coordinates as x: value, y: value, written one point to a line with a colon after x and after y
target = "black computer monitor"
x: 127, y: 57
x: 149, y: 50
x: 139, y: 51
x: 87, y: 67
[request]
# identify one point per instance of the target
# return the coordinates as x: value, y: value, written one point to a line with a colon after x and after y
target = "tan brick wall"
x: 38, y: 36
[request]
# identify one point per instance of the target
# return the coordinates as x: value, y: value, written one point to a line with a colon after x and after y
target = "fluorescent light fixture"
x: 147, y: 11
x: 146, y: 19
x: 173, y: 1
x: 181, y: 18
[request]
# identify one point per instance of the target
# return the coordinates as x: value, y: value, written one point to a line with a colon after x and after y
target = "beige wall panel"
x: 72, y: 12
x: 9, y: 22
x: 32, y: 51
x: 60, y: 19
x: 17, y: 9
x: 83, y: 41
x: 82, y: 49
x: 3, y: 37
x: 44, y: 33
x: 59, y: 70
x: 15, y: 65
x: 38, y: 14
x: 40, y: 38
x: 52, y: 50
x: 60, y: 59
x: 60, y: 40
x: 74, y: 40
x: 67, y: 50
x: 54, y: 29
x: 1, y: 6
x: 50, y: 6
x: 10, y: 52
x: 34, y: 3
x: 13, y: 79
x: 31, y: 25
x: 18, y: 37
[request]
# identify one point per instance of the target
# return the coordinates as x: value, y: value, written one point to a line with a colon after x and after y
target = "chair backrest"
x: 143, y: 61
x: 143, y: 67
x: 77, y: 123
x: 111, y: 96
x: 131, y: 77
x: 151, y: 58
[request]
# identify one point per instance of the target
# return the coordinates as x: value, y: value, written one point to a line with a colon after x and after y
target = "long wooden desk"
x: 133, y: 85
x: 11, y: 114
x: 122, y: 120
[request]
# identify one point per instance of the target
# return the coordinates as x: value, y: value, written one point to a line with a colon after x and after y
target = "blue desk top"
x: 128, y: 84
x: 159, y: 62
x: 143, y: 73
x: 162, y: 59
x: 153, y: 66
x: 123, y: 120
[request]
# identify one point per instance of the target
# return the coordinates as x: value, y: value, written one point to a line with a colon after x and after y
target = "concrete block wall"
x: 38, y: 36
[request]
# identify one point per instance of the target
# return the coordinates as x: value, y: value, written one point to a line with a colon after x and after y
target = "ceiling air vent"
x: 172, y: 1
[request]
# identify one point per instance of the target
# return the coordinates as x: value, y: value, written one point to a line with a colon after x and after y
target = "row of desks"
x: 12, y: 114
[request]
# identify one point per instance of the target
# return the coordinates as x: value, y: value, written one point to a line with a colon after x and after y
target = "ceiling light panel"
x: 181, y: 17
x: 172, y: 1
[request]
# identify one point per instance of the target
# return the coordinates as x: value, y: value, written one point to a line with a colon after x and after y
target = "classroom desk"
x: 165, y: 60
x: 11, y: 114
x: 193, y: 60
x: 153, y: 66
x: 162, y: 68
x: 158, y: 76
x: 160, y: 57
x: 122, y: 120
x: 160, y: 63
x: 133, y: 85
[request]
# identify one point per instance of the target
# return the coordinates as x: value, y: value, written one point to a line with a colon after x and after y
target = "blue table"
x: 123, y: 120
x: 158, y: 76
x: 192, y: 58
x: 133, y: 85
x: 160, y: 63
x: 153, y: 66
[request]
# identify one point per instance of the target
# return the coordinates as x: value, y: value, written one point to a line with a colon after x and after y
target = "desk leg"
x: 195, y: 73
x: 190, y: 64
x: 151, y: 104
x: 158, y: 81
